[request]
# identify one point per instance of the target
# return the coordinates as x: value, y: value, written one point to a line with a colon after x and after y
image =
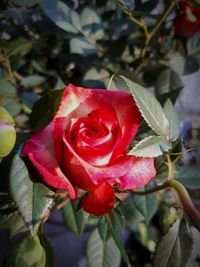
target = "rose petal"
x: 100, y: 201
x: 84, y: 101
x: 141, y: 172
x: 128, y: 115
x: 85, y: 175
x: 41, y: 153
x: 92, y: 140
x: 73, y: 96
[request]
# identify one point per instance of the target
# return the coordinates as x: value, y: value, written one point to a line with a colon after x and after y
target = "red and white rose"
x: 85, y: 147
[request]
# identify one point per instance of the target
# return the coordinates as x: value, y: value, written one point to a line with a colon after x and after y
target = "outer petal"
x: 41, y: 152
x: 100, y: 201
x: 72, y: 98
x: 141, y: 172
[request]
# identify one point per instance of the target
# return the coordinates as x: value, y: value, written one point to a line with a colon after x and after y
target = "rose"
x: 187, y: 22
x: 85, y: 147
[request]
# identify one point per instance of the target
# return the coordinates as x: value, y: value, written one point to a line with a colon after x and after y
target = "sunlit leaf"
x: 174, y: 123
x: 63, y: 16
x: 152, y: 146
x: 32, y: 199
x: 91, y: 24
x: 149, y: 107
x: 80, y: 45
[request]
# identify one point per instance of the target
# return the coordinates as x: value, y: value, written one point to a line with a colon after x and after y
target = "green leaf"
x: 96, y: 78
x: 74, y: 219
x: 27, y: 252
x: 44, y: 109
x: 161, y: 170
x: 167, y: 81
x: 20, y: 45
x: 80, y: 45
x: 27, y: 3
x: 150, y: 108
x: 7, y: 89
x: 12, y: 105
x: 177, y: 63
x: 115, y: 230
x: 152, y: 146
x: 14, y: 222
x: 174, y: 123
x: 50, y: 259
x: 103, y: 229
x: 63, y: 16
x: 193, y: 45
x: 192, y: 64
x: 91, y: 24
x: 100, y: 254
x: 175, y: 247
x: 33, y: 80
x: 59, y: 84
x: 172, y: 95
x: 189, y: 176
x: 147, y: 205
x: 32, y: 199
x: 131, y: 213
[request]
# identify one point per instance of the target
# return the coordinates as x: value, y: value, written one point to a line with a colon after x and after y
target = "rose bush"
x: 85, y: 147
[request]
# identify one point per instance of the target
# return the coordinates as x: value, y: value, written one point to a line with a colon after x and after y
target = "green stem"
x: 130, y: 14
x: 150, y: 34
x: 150, y: 191
x: 7, y: 63
x: 186, y: 201
x: 162, y: 18
x: 171, y: 167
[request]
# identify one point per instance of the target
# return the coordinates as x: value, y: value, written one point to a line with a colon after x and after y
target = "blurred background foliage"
x: 47, y: 44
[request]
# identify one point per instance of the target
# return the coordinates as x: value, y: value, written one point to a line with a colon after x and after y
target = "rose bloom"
x: 85, y: 147
x: 187, y: 23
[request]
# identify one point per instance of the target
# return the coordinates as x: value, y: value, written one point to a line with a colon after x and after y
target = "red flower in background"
x: 187, y: 22
x: 85, y: 147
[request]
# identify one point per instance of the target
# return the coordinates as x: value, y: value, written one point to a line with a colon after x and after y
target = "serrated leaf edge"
x: 145, y: 139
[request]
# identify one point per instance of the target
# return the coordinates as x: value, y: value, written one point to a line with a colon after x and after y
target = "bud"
x: 7, y: 132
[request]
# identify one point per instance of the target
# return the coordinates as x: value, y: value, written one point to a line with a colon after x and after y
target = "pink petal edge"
x: 40, y: 151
